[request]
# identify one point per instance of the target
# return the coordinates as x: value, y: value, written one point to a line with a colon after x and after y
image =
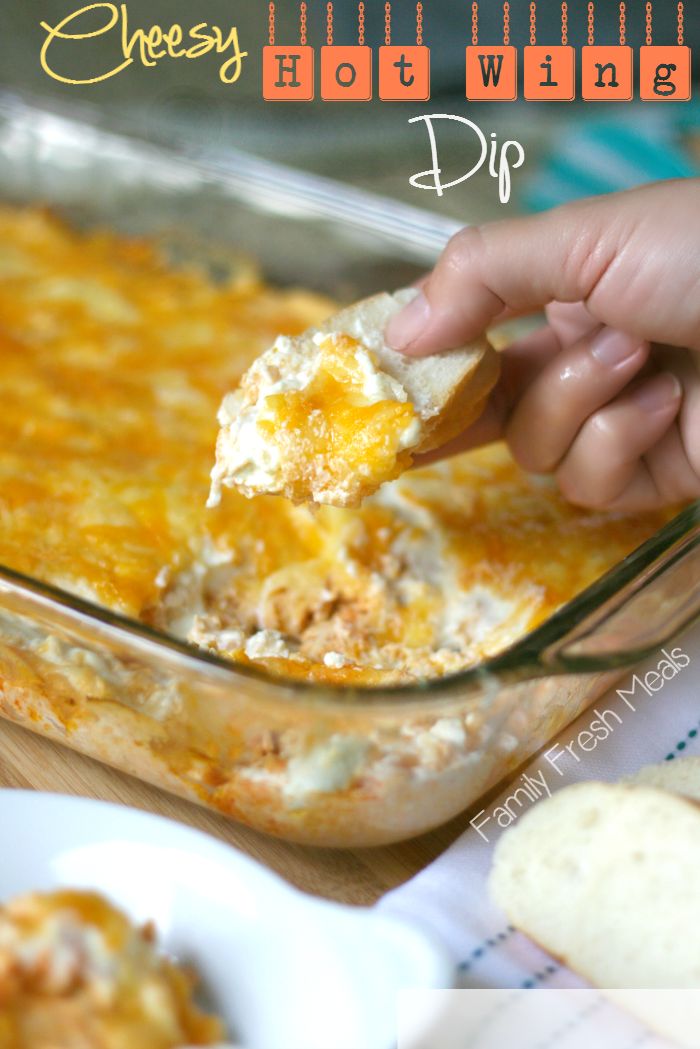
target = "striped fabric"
x: 609, y: 154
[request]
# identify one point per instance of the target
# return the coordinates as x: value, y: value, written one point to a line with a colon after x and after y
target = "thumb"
x: 519, y: 264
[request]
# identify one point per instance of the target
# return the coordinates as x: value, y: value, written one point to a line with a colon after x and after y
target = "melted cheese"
x: 112, y: 365
x: 75, y: 972
x: 317, y: 423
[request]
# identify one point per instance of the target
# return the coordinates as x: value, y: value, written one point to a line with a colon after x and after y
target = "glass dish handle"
x: 659, y: 600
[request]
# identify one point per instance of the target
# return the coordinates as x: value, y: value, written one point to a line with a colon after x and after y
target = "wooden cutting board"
x: 357, y: 876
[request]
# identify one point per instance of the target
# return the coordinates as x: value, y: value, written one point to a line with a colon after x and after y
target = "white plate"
x: 285, y: 970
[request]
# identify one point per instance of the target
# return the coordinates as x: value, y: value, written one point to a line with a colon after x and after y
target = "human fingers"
x: 521, y: 362
x: 571, y: 387
x: 570, y: 320
x: 611, y: 253
x: 604, y: 465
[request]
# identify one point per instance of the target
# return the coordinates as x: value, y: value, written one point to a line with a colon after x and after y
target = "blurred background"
x: 571, y: 149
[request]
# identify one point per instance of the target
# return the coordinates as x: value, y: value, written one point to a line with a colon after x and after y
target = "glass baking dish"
x: 357, y: 767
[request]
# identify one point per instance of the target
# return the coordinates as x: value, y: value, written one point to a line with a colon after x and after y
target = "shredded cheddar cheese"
x: 113, y: 364
x: 320, y: 422
x: 74, y: 972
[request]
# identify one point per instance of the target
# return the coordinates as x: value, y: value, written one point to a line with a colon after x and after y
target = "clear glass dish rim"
x: 520, y: 661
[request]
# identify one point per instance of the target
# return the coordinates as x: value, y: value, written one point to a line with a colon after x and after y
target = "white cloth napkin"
x: 450, y: 897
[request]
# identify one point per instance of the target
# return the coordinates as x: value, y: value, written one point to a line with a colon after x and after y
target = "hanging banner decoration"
x: 346, y: 72
x: 664, y: 70
x: 549, y: 72
x: 492, y: 71
x: 606, y: 72
x: 288, y: 71
x: 404, y: 72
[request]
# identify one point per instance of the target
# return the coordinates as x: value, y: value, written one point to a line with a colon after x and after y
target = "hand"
x: 607, y: 395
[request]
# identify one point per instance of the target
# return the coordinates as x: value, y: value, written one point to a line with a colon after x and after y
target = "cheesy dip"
x: 113, y: 363
x: 318, y: 423
x: 76, y: 974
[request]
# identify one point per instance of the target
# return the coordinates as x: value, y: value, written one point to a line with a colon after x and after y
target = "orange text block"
x: 549, y: 73
x: 346, y: 74
x: 492, y: 73
x: 288, y: 73
x: 606, y: 73
x: 664, y: 73
x: 404, y: 73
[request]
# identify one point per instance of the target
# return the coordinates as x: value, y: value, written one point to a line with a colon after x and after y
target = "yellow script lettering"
x: 57, y: 33
x: 148, y: 45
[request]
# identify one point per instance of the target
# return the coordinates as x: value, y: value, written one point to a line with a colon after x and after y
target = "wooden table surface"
x: 357, y: 876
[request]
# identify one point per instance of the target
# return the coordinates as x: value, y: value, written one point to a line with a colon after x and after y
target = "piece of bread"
x: 289, y: 431
x: 604, y: 877
x: 449, y: 389
x: 682, y: 776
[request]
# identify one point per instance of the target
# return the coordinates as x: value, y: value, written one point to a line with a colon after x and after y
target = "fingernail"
x: 612, y: 347
x: 662, y: 391
x: 406, y: 326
